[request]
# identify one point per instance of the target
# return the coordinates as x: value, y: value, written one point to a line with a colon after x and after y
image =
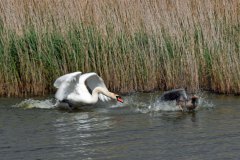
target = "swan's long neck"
x: 104, y: 91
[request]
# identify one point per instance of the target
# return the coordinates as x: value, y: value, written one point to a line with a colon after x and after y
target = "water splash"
x: 117, y: 105
x: 204, y: 103
x: 169, y: 106
x: 157, y: 106
x: 141, y: 103
x: 31, y: 103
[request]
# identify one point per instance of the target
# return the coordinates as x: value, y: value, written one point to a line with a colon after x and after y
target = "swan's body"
x: 181, y: 98
x: 81, y: 89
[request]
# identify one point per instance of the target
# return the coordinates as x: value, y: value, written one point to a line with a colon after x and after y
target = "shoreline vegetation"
x: 133, y: 45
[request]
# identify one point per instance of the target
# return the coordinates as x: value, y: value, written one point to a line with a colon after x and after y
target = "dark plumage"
x: 175, y: 94
x: 181, y: 98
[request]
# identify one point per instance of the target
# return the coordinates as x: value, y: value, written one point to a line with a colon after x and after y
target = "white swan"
x: 79, y: 89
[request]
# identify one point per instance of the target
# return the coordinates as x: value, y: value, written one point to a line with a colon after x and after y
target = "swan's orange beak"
x: 119, y: 99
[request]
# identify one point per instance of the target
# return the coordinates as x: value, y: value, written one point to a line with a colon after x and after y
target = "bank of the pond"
x: 134, y: 46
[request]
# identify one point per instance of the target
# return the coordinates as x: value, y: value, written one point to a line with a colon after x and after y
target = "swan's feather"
x: 92, y: 80
x: 65, y: 77
x: 103, y: 97
x: 78, y: 87
x: 66, y: 84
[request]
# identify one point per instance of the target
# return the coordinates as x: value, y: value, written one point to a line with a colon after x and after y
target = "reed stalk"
x: 134, y: 45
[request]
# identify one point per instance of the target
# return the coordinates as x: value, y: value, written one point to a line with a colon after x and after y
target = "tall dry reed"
x: 134, y: 45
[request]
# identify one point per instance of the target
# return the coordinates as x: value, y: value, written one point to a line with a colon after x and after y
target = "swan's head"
x: 119, y: 98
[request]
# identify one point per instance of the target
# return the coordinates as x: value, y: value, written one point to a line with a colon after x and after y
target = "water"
x: 141, y: 128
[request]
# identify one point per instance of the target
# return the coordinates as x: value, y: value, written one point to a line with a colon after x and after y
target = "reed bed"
x: 134, y: 45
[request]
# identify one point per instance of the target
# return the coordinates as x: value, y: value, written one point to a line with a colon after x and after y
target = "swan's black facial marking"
x: 119, y: 99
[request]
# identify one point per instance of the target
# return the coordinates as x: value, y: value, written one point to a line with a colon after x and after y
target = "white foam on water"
x: 205, y: 103
x: 117, y: 105
x: 131, y: 102
x: 169, y: 106
x: 32, y: 103
x: 157, y: 106
x: 127, y: 101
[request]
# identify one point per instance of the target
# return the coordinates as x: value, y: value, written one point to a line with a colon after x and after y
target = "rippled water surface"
x: 140, y: 128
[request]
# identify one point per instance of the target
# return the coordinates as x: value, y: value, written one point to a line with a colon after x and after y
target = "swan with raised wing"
x: 81, y: 89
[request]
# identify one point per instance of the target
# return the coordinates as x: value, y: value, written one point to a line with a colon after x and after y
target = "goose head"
x: 192, y: 103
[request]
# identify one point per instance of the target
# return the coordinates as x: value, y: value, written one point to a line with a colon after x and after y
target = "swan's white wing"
x: 66, y: 85
x: 65, y: 77
x: 92, y: 80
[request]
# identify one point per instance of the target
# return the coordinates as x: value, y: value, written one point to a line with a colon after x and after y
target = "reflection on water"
x: 69, y: 130
x: 141, y: 128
